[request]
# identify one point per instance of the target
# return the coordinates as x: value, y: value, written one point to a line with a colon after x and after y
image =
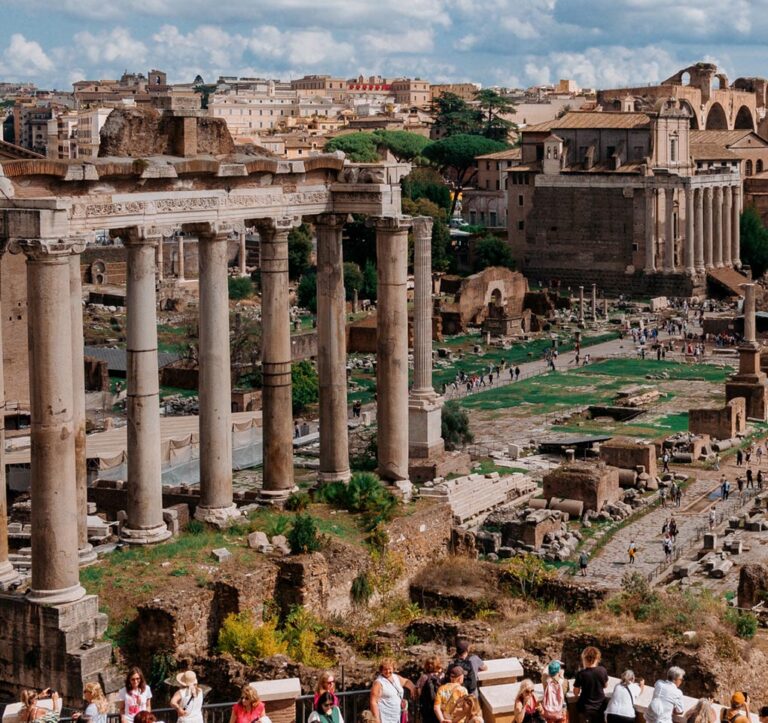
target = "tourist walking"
x: 583, y: 562
x: 750, y: 479
x: 621, y: 707
x: 667, y: 545
x: 97, y: 705
x: 589, y: 687
x: 712, y: 517
x: 517, y: 373
x: 188, y: 700
x: 665, y: 461
x: 449, y: 694
x: 249, y: 707
x: 673, y: 529
x: 739, y: 457
x: 667, y: 698
x: 326, y: 710
x: 32, y: 710
x: 387, y: 701
x: 135, y: 696
x: 470, y: 664
x: 427, y: 686
x: 759, y: 479
x: 631, y: 552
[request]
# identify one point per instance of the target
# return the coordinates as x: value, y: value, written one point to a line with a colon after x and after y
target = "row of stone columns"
x: 712, y: 237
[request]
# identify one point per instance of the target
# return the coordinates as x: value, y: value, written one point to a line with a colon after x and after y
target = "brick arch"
x: 744, y: 120
x: 716, y: 118
x: 694, y: 118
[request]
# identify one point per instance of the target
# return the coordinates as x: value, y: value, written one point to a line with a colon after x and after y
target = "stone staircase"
x: 474, y: 495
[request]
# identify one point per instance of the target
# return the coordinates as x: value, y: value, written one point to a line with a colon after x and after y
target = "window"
x: 748, y: 170
x: 520, y: 199
x: 492, y: 217
x: 611, y: 151
x: 673, y: 150
x: 472, y: 217
x: 760, y: 165
x: 520, y: 225
x: 497, y: 184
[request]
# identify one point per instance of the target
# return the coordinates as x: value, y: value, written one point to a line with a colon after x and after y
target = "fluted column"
x: 86, y: 553
x: 699, y: 223
x: 424, y: 405
x: 144, y: 524
x: 650, y: 231
x: 180, y: 257
x: 276, y: 361
x: 727, y: 223
x: 216, y: 500
x: 717, y: 223
x: 242, y: 254
x: 392, y: 349
x: 581, y: 304
x: 708, y: 229
x: 736, y: 227
x: 332, y: 350
x: 55, y: 568
x: 669, y: 230
x: 690, y: 214
x: 594, y: 302
x: 160, y: 260
x: 8, y: 574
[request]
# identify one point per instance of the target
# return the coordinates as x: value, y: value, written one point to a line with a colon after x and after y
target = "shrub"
x: 454, y: 426
x: 362, y: 589
x: 307, y: 291
x: 368, y: 459
x: 299, y: 251
x: 363, y: 494
x: 278, y: 526
x: 298, y: 502
x: 305, y: 385
x: 526, y: 573
x: 745, y: 623
x: 301, y: 632
x: 240, y: 287
x: 248, y: 642
x: 303, y: 536
x: 195, y: 527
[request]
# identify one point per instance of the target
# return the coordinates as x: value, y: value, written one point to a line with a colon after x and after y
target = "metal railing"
x: 351, y: 704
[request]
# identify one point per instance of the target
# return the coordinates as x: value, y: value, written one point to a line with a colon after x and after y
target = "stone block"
x: 720, y: 569
x: 258, y: 541
x: 736, y: 547
x: 505, y: 552
x: 684, y: 569
x: 220, y: 554
x: 488, y: 542
x: 710, y: 541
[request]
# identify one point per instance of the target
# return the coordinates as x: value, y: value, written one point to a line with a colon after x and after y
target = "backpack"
x: 553, y: 700
x: 428, y: 695
x: 470, y: 679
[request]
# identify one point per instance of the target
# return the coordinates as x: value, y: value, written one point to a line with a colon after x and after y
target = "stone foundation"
x: 593, y: 484
x: 629, y: 454
x: 724, y: 423
x: 442, y: 465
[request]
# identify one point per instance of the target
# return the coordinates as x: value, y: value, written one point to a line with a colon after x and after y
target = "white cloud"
x: 25, y: 58
x: 411, y: 41
x: 116, y: 45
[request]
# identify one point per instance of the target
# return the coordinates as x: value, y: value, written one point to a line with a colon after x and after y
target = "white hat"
x: 187, y: 678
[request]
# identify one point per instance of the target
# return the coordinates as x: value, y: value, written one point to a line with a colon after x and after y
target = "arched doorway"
x: 744, y: 119
x: 716, y: 119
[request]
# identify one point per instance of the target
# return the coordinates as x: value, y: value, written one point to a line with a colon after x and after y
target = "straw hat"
x: 187, y: 678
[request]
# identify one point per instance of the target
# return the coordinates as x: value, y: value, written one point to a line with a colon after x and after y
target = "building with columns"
x: 615, y: 198
x: 49, y: 211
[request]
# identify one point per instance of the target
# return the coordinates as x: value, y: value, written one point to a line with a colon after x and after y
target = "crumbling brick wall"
x: 628, y: 454
x: 723, y: 423
x: 594, y: 484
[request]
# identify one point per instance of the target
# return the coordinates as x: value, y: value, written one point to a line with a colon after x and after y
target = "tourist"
x: 449, y: 694
x: 717, y: 463
x: 702, y: 712
x: 667, y: 698
x: 326, y: 683
x: 326, y: 710
x: 468, y: 710
x: 665, y: 461
x: 145, y: 716
x: 631, y: 552
x: 553, y: 708
x: 583, y: 562
x: 759, y: 454
x: 517, y: 373
x: 739, y: 457
x: 527, y: 709
x: 387, y: 701
x: 135, y: 696
x: 740, y: 482
x: 621, y: 707
x: 764, y: 714
x: 470, y: 664
x: 750, y: 479
x: 748, y: 454
x: 673, y: 530
x: 589, y: 686
x: 663, y: 496
x: 31, y: 710
x: 679, y: 495
x: 188, y: 699
x: 738, y: 712
x: 427, y: 686
x: 249, y: 707
x: 667, y: 545
x: 759, y: 479
x: 712, y: 517
x: 97, y: 705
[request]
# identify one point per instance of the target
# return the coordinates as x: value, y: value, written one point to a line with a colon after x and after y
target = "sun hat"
x: 187, y: 678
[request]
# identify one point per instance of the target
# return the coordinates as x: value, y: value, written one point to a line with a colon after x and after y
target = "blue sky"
x: 494, y: 42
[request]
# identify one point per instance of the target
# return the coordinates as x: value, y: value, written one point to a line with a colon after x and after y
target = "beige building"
x: 486, y: 203
x: 411, y: 93
x: 76, y: 133
x: 249, y: 112
x: 465, y: 91
x: 738, y: 149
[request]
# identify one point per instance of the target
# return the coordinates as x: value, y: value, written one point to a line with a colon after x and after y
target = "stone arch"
x: 748, y: 168
x: 716, y: 118
x: 496, y: 297
x: 684, y: 104
x: 494, y: 293
x: 744, y: 120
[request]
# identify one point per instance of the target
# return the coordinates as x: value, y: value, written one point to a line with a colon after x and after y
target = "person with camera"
x: 32, y: 710
x: 188, y: 700
x: 97, y: 706
x: 738, y: 712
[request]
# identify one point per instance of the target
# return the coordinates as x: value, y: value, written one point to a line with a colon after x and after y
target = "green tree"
x: 307, y: 291
x: 403, y: 145
x: 426, y: 183
x: 303, y: 537
x: 455, y: 426
x: 494, y: 106
x: 493, y: 251
x: 456, y: 154
x: 359, y: 147
x: 754, y: 242
x: 454, y: 116
x: 441, y: 235
x: 359, y: 242
x: 299, y: 251
x: 353, y: 280
x: 306, y: 388
x: 369, y: 289
x: 240, y: 287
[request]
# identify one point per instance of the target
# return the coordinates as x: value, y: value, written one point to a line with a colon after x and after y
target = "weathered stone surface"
x: 258, y: 541
x: 753, y: 584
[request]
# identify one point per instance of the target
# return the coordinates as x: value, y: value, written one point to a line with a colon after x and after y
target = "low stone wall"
x: 629, y: 454
x: 723, y: 423
x: 304, y: 345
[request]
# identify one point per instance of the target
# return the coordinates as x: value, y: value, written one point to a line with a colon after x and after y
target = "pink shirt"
x: 247, y: 716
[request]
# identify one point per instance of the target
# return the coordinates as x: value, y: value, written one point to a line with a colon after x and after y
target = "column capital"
x: 422, y: 226
x: 331, y: 220
x: 276, y: 226
x: 137, y: 236
x: 211, y: 231
x: 42, y: 250
x: 389, y: 223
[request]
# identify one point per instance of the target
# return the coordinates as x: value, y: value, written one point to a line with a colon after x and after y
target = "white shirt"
x: 622, y: 700
x: 667, y: 699
x: 134, y: 700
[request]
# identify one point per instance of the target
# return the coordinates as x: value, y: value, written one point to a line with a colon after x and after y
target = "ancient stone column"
x: 699, y: 224
x: 690, y: 214
x: 180, y: 257
x: 160, y: 259
x: 650, y: 235
x: 215, y: 383
x: 392, y: 349
x: 144, y: 524
x: 55, y: 568
x: 727, y: 223
x: 717, y: 223
x: 242, y: 254
x: 605, y: 307
x: 276, y: 361
x: 669, y: 230
x: 735, y: 227
x: 86, y: 553
x: 581, y: 304
x: 708, y: 229
x: 8, y: 574
x: 594, y: 302
x: 750, y: 336
x: 424, y: 405
x: 332, y: 350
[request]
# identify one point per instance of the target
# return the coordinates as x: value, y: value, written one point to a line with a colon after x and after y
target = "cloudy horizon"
x: 513, y: 43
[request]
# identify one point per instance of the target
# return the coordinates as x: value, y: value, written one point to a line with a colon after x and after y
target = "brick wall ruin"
x: 593, y: 484
x: 629, y: 454
x: 722, y: 423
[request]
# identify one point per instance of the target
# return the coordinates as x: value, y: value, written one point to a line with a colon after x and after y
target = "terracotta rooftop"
x: 511, y: 154
x: 592, y: 119
x: 711, y: 152
x: 721, y: 138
